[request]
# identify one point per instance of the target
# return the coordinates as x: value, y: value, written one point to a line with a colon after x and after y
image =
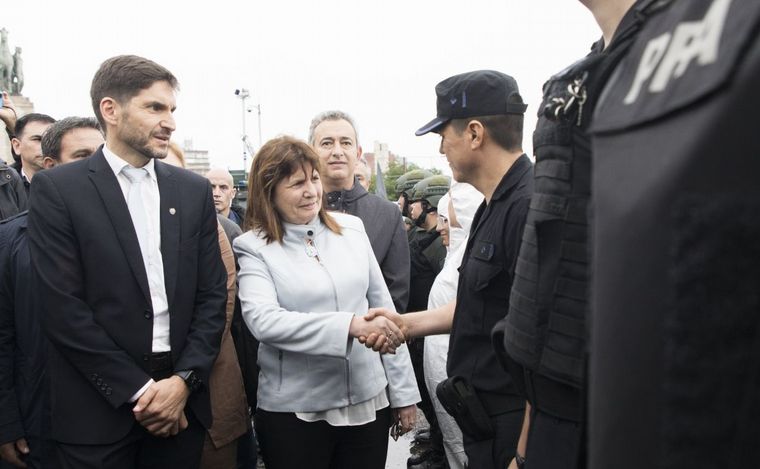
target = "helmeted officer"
x: 544, y: 333
x: 404, y: 185
x: 425, y: 247
x: 675, y: 332
x: 427, y: 254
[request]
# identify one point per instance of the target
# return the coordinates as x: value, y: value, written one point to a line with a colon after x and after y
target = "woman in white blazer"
x: 306, y: 279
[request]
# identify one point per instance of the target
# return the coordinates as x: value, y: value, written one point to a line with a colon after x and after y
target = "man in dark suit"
x: 132, y: 343
x: 24, y: 395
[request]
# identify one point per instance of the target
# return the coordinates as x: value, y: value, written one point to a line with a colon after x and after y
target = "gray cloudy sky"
x: 377, y: 60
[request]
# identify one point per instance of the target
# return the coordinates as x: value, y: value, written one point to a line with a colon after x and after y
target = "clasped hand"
x: 383, y: 331
x: 379, y: 340
x: 14, y: 452
x: 161, y: 408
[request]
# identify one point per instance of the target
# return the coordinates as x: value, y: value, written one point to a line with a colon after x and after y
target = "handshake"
x: 381, y: 329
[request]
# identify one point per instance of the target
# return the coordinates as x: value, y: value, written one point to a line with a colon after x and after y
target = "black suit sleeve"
x: 68, y: 320
x: 207, y: 325
x: 11, y: 427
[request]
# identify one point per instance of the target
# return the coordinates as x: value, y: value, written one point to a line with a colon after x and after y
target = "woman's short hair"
x: 277, y: 160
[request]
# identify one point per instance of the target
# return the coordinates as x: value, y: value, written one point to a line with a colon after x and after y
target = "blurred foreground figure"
x: 675, y: 345
x: 545, y: 333
x: 25, y: 439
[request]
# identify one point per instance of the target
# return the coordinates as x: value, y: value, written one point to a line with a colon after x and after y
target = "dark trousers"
x: 554, y: 443
x: 247, y: 451
x: 139, y: 449
x: 497, y: 452
x: 288, y: 442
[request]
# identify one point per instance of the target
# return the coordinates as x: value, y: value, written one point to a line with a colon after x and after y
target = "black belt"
x: 545, y: 394
x: 497, y: 403
x: 554, y: 398
x: 158, y: 362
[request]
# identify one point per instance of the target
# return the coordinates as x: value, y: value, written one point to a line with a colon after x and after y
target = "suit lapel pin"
x: 172, y: 211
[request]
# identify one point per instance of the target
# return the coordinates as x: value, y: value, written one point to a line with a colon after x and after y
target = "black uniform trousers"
x: 554, y: 443
x: 496, y: 452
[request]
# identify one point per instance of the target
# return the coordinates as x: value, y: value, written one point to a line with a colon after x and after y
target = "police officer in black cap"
x: 480, y: 120
x: 675, y: 297
x: 544, y: 333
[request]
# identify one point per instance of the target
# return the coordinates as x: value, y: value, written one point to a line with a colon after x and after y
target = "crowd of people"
x: 594, y: 307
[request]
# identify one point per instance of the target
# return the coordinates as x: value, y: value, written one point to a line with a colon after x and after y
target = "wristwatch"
x: 191, y: 379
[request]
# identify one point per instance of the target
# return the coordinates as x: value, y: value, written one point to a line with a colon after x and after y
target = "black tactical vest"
x: 675, y: 297
x: 426, y: 260
x: 546, y: 326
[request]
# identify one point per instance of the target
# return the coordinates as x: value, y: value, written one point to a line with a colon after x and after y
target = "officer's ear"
x: 475, y: 132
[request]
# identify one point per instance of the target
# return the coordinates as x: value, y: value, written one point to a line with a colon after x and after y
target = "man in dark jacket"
x: 131, y: 347
x: 24, y: 405
x: 13, y: 196
x: 224, y: 191
x: 27, y: 147
x: 333, y: 136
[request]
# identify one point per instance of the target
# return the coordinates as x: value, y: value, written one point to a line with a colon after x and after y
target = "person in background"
x: 363, y: 173
x: 224, y: 193
x: 176, y: 157
x: 456, y: 211
x: 26, y: 145
x: 427, y: 255
x: 13, y: 196
x: 404, y: 185
x: 304, y: 299
x: 229, y: 408
x: 333, y: 135
x: 25, y: 439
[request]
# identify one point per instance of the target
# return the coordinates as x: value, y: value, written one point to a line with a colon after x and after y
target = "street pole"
x: 243, y: 94
x: 258, y: 108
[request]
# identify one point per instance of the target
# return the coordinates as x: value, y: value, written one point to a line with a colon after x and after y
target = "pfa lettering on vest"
x: 668, y: 56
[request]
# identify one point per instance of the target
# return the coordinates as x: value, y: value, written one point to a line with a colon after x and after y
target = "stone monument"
x: 12, y: 81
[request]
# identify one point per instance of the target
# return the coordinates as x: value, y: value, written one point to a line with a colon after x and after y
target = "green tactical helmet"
x: 431, y: 189
x: 406, y: 181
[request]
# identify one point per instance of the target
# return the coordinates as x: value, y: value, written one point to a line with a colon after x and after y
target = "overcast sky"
x: 377, y: 60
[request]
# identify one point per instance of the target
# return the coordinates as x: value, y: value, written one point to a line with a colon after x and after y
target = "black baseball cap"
x: 471, y: 94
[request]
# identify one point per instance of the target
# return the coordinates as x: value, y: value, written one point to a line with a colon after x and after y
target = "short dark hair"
x: 124, y: 76
x: 506, y: 129
x: 276, y: 160
x: 51, y: 139
x: 32, y: 117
